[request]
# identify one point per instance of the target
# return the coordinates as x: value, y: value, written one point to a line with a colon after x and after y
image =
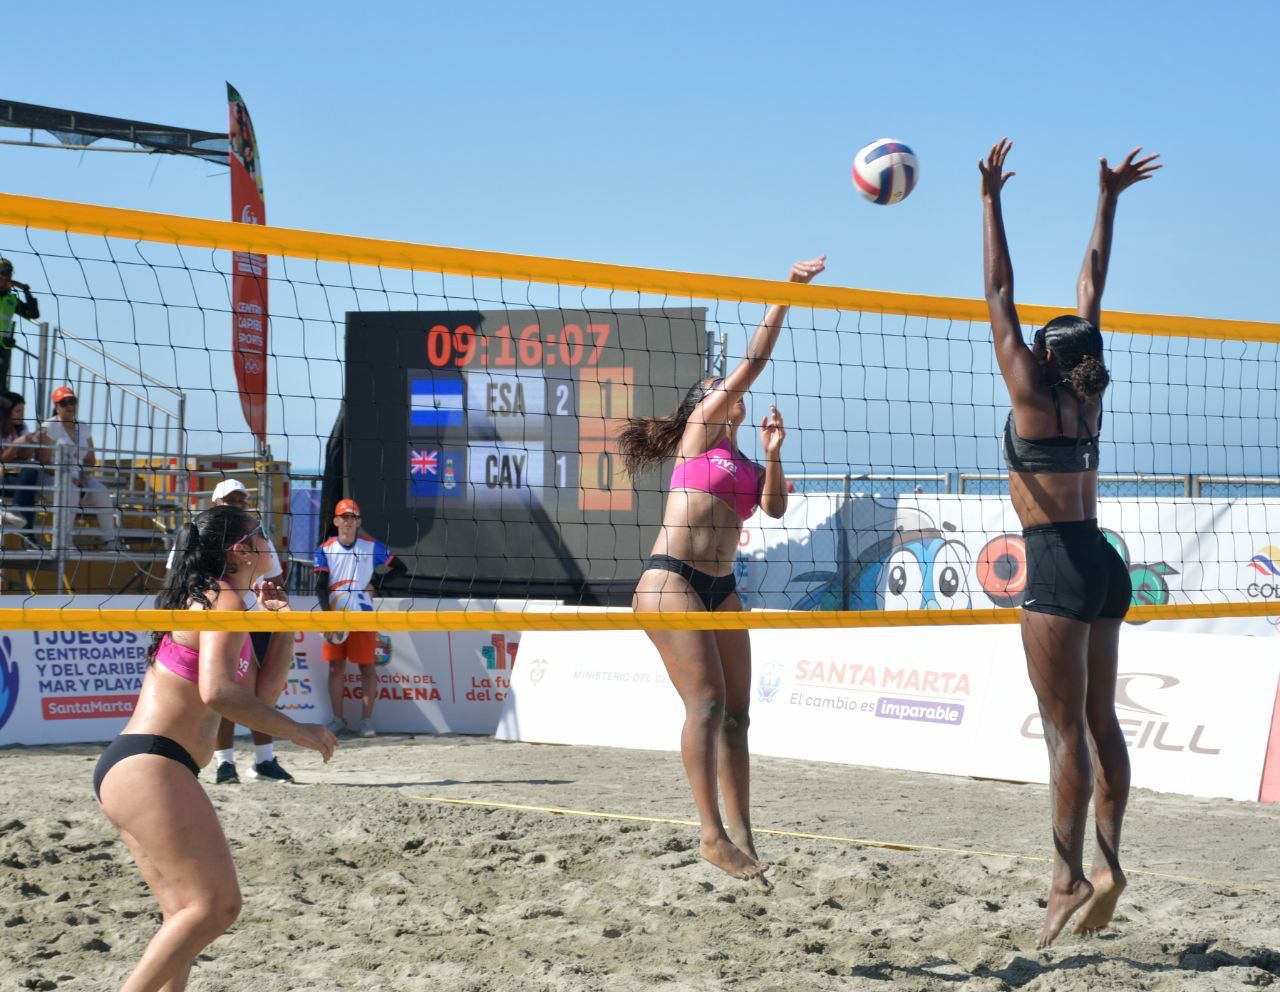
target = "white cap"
x: 226, y: 487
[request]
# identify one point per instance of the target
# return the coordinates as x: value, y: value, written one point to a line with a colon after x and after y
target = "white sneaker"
x: 336, y: 726
x: 366, y: 728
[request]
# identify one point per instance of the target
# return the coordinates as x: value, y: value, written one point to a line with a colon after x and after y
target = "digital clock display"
x: 481, y: 445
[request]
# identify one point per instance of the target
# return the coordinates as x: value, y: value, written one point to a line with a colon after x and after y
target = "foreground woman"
x: 146, y: 779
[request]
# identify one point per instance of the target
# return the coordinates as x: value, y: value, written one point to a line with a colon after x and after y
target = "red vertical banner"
x: 248, y: 272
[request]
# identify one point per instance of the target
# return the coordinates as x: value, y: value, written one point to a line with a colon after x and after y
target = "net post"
x: 63, y: 508
x: 1191, y: 485
x: 842, y: 546
x: 43, y: 371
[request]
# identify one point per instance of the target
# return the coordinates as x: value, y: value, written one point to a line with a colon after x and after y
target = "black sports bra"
x: 1053, y: 454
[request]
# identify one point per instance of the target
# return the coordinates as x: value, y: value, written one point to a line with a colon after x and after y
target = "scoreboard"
x: 481, y: 445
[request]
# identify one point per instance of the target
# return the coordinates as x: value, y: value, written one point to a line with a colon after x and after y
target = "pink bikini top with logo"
x: 184, y: 662
x: 726, y: 474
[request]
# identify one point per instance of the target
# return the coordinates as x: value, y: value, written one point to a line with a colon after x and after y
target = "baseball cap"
x: 226, y: 487
x: 63, y: 393
x: 346, y: 506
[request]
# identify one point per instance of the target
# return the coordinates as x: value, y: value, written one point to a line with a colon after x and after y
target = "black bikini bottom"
x: 127, y: 745
x: 711, y: 589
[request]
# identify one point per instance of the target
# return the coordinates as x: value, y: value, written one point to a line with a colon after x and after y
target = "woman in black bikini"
x: 146, y: 779
x: 1078, y: 588
x: 714, y: 489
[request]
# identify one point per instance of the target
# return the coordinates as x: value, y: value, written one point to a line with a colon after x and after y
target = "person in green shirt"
x: 10, y: 308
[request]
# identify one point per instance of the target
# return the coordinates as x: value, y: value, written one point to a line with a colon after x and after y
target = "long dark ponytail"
x: 1077, y: 351
x: 200, y: 559
x: 646, y: 441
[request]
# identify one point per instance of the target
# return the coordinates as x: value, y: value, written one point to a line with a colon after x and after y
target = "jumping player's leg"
x: 171, y: 826
x: 1057, y: 661
x: 1111, y: 772
x: 693, y: 663
x: 734, y: 648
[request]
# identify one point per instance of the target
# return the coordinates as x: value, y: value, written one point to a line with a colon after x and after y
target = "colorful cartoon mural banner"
x: 950, y: 700
x: 965, y: 552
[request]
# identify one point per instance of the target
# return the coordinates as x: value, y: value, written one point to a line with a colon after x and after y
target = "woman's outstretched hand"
x: 992, y: 168
x: 804, y: 271
x: 271, y: 595
x: 772, y: 433
x: 1113, y: 182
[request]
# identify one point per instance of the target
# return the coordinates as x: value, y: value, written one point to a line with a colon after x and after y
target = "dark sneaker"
x: 270, y: 771
x: 227, y: 774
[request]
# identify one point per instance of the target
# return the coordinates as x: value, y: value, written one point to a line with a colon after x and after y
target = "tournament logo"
x: 1266, y: 574
x: 537, y: 669
x: 770, y: 681
x: 8, y: 681
x: 382, y: 650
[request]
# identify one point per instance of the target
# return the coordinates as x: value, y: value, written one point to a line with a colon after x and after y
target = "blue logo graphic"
x: 8, y: 681
x: 770, y: 681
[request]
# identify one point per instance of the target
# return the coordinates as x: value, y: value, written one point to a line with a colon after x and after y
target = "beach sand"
x: 358, y: 880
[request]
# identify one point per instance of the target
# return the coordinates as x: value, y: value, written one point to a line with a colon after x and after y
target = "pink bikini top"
x: 724, y: 473
x: 184, y: 662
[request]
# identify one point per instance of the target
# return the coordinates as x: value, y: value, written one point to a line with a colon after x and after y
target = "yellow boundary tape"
x: 568, y: 619
x: 139, y: 225
x: 886, y: 845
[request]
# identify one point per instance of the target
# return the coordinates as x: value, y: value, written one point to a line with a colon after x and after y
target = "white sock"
x: 229, y: 756
x: 264, y: 752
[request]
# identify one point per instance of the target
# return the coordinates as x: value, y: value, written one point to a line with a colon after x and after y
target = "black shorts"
x: 1072, y: 571
x: 127, y: 745
x: 711, y: 589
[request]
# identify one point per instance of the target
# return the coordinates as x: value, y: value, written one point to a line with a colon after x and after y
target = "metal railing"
x: 116, y: 398
x: 847, y: 479
x: 1192, y: 485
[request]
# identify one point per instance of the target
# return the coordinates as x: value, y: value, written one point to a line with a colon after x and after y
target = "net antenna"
x: 73, y: 130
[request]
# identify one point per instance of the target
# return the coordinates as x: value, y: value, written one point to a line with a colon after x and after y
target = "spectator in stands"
x: 273, y: 653
x: 64, y: 427
x: 348, y: 568
x: 21, y: 455
x: 10, y: 307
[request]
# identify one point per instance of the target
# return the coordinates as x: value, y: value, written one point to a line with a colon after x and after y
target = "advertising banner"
x: 967, y: 552
x: 948, y: 700
x: 66, y: 687
x: 248, y: 271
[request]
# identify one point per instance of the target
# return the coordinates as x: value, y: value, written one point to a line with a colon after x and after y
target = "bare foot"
x: 743, y: 841
x: 1062, y: 904
x: 1107, y: 886
x: 722, y: 853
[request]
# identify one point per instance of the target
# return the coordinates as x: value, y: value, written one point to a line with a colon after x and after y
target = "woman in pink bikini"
x: 146, y: 779
x: 714, y: 489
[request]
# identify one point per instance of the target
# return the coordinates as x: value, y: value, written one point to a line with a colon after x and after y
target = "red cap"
x: 346, y: 506
x: 63, y: 393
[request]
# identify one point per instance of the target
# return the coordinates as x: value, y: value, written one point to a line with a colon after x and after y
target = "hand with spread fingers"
x: 992, y: 168
x: 772, y: 433
x: 1115, y: 181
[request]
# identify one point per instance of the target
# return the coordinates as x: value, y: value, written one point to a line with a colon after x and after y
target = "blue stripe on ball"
x: 888, y: 149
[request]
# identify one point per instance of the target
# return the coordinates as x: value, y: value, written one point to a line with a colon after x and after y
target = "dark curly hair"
x: 646, y: 441
x: 200, y: 559
x: 1076, y: 346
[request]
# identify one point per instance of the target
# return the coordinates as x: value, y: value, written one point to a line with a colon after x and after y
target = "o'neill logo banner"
x: 248, y: 271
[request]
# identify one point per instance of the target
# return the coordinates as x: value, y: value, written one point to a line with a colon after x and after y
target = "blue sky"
x: 713, y: 136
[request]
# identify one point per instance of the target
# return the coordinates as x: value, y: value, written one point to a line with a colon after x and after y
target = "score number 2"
x: 462, y: 346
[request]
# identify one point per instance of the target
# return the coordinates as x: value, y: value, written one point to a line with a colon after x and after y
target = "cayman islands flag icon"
x: 436, y: 471
x: 435, y: 400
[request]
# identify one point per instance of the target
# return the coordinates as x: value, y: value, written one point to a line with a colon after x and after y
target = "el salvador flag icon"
x: 436, y: 402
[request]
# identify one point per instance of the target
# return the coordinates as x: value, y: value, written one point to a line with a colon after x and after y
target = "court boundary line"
x: 885, y: 845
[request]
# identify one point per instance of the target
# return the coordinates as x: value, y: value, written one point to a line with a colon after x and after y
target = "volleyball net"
x: 471, y: 402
